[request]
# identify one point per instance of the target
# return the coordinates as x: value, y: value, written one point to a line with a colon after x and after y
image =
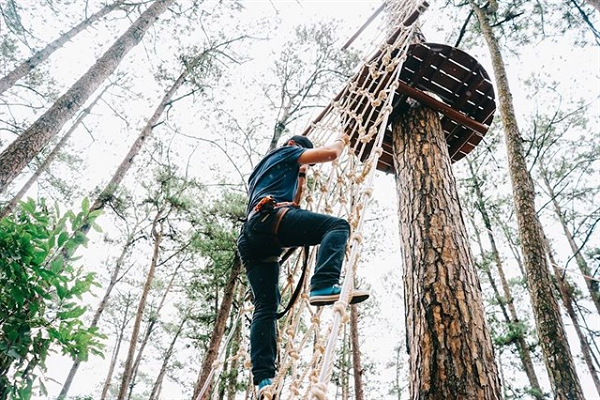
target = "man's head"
x: 301, y: 141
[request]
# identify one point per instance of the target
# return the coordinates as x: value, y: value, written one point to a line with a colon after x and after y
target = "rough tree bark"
x: 50, y: 158
x: 505, y: 300
x: 553, y: 340
x: 20, y: 152
x: 219, y: 328
x: 42, y: 55
x: 450, y: 349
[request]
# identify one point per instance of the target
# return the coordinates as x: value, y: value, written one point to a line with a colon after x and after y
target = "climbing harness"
x: 299, y: 285
x: 394, y: 70
x: 270, y: 214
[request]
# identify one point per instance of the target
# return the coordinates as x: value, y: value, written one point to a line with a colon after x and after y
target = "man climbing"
x: 274, y: 221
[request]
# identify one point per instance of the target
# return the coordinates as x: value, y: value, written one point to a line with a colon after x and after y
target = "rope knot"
x: 319, y: 391
x: 340, y: 308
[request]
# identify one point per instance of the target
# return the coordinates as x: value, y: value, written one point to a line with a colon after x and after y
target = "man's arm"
x: 301, y: 181
x: 325, y: 153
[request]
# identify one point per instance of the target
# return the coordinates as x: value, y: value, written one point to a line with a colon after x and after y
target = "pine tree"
x: 555, y: 347
x: 20, y: 152
x: 42, y: 55
x: 505, y: 299
x: 450, y: 348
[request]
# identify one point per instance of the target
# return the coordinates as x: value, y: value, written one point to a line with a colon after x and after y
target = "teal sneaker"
x: 263, y: 386
x: 331, y: 294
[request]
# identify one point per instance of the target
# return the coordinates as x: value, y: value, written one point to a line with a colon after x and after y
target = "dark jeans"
x: 297, y: 228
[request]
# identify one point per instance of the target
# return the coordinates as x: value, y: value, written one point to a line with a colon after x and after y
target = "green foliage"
x: 217, y: 229
x: 515, y: 330
x: 40, y: 296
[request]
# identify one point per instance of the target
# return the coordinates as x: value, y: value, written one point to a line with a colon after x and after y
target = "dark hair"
x: 302, y: 141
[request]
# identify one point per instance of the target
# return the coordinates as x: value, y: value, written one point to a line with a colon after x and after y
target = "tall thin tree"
x: 50, y: 158
x: 219, y: 327
x: 505, y: 300
x: 42, y: 55
x: 166, y: 359
x: 359, y: 392
x: 586, y: 271
x: 20, y: 152
x: 566, y: 291
x: 157, y: 235
x: 555, y: 347
x: 115, y: 277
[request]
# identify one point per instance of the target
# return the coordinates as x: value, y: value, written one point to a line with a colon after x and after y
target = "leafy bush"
x: 40, y: 295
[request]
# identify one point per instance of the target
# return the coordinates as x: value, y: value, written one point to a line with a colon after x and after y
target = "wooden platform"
x: 444, y: 78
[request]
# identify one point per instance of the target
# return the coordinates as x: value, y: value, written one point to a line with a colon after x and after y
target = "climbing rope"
x: 307, y: 336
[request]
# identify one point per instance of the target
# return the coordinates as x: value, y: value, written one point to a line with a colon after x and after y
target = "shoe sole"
x: 261, y: 395
x: 320, y: 301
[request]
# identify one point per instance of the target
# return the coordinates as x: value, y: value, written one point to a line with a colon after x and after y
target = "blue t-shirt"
x: 275, y: 175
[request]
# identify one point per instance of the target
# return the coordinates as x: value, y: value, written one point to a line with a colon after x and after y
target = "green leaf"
x: 80, y: 238
x: 28, y: 206
x: 97, y: 227
x: 51, y: 241
x: 72, y: 314
x: 53, y: 333
x: 25, y: 393
x: 43, y: 389
x: 62, y: 238
x: 13, y: 354
x: 94, y: 214
x: 39, y: 257
x: 60, y: 290
x: 56, y: 265
x: 85, y: 205
x: 17, y: 295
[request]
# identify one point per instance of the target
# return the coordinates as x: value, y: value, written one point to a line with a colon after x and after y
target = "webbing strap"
x: 298, y: 286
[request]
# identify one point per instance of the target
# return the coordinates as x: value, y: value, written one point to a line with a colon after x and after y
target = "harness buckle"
x: 268, y: 201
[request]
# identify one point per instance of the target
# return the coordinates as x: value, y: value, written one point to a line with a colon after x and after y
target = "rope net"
x: 308, y: 336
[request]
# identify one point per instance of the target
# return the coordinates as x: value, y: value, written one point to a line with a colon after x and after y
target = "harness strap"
x: 298, y: 286
x: 278, y: 217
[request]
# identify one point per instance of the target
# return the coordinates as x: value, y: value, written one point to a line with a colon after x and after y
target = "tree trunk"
x: 42, y: 55
x: 219, y: 328
x: 356, y: 364
x: 107, y: 193
x: 450, y: 349
x: 44, y: 166
x: 506, y: 299
x: 128, y: 368
x: 114, y: 278
x: 591, y: 284
x: 138, y: 357
x: 233, y: 370
x: 555, y: 348
x: 150, y: 328
x: 163, y: 369
x: 280, y: 124
x: 566, y: 290
x: 595, y: 3
x: 20, y: 152
x: 113, y: 361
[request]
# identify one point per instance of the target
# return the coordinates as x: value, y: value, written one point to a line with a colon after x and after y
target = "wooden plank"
x: 442, y: 107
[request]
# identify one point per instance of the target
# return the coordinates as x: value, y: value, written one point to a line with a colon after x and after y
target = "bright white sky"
x: 574, y: 67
